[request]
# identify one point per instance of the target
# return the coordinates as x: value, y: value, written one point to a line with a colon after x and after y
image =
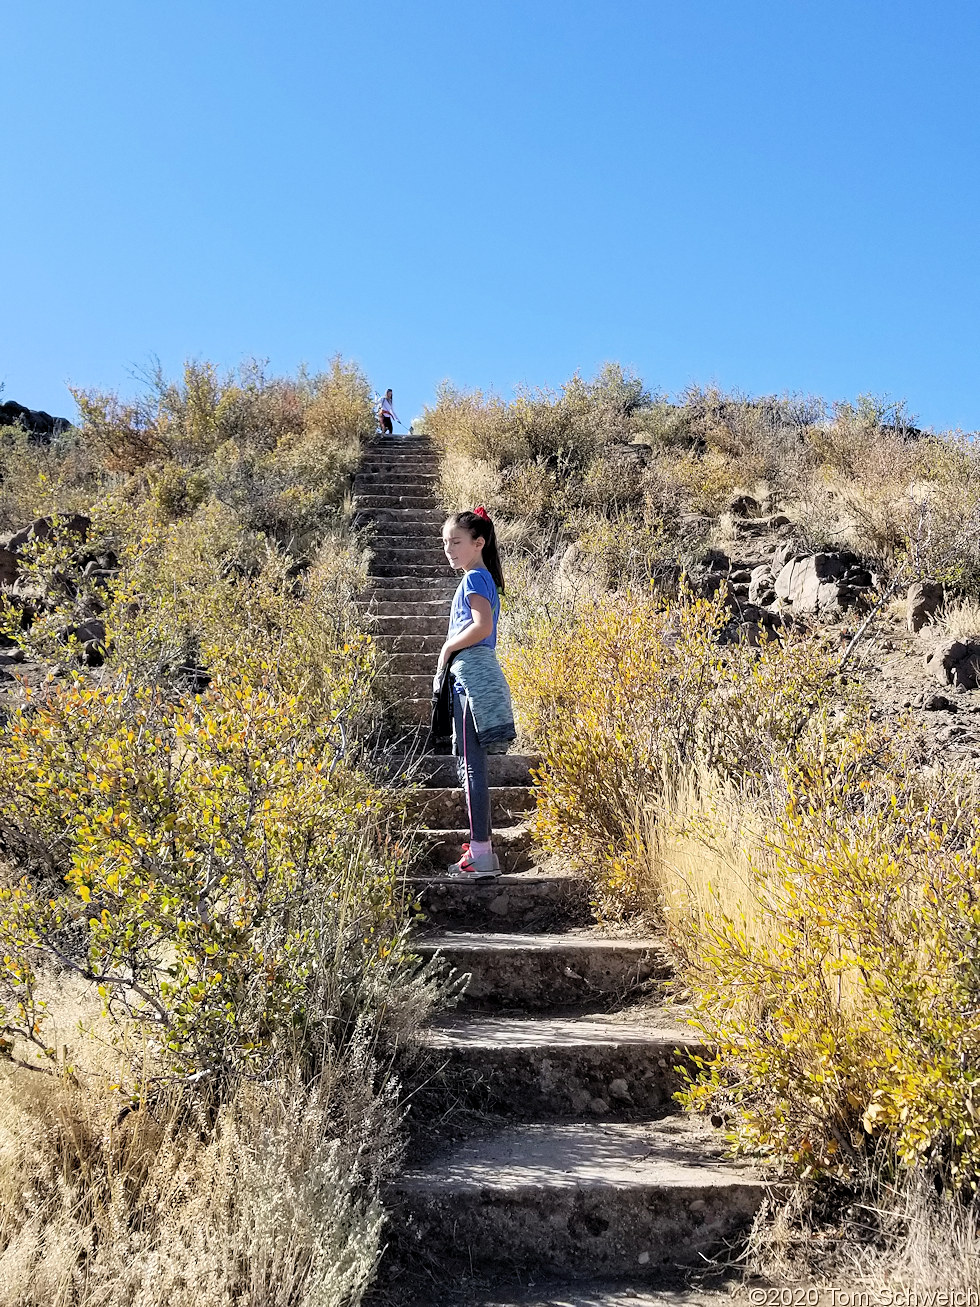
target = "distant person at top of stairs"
x: 482, y: 715
x: 387, y: 415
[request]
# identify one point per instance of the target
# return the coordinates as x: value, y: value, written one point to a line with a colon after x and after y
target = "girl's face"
x: 464, y: 553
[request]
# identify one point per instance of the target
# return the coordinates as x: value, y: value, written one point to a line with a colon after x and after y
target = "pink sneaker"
x: 486, y: 867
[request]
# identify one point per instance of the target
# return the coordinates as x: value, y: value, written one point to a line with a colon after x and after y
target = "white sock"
x: 481, y: 848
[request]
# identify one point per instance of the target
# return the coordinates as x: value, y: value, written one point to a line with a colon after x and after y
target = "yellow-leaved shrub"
x: 840, y: 983
x: 621, y: 692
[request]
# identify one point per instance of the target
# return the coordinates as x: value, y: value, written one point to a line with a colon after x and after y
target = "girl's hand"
x: 443, y: 659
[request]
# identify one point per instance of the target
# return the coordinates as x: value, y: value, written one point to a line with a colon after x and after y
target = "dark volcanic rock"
x: 38, y: 424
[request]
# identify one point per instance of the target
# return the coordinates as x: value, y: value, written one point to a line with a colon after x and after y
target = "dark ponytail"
x: 481, y: 528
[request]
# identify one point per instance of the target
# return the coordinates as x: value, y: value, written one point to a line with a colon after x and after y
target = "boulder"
x: 744, y: 506
x: 578, y: 570
x: 786, y: 553
x: 762, y: 587
x: 923, y: 601
x: 955, y: 662
x: 71, y: 524
x: 34, y: 421
x: 92, y: 629
x: 8, y: 566
x: 818, y: 584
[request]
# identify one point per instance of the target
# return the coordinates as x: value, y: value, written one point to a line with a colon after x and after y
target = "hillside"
x: 743, y: 637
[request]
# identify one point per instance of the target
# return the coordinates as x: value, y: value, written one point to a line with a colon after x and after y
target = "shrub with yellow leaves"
x: 180, y: 856
x: 625, y: 690
x: 847, y: 1027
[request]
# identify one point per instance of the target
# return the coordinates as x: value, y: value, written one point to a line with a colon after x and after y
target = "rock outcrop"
x: 923, y: 602
x: 827, y: 585
x: 40, y: 426
x: 955, y: 662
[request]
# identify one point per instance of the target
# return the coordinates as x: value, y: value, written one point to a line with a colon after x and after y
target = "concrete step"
x: 412, y: 610
x: 439, y: 770
x: 667, y: 1289
x: 538, y: 1068
x: 531, y: 901
x: 529, y: 973
x: 417, y: 663
x: 412, y: 712
x: 423, y: 571
x: 413, y: 520
x: 583, y: 1200
x: 429, y: 645
x: 445, y: 806
x: 393, y: 550
x: 405, y: 593
x: 383, y: 500
x: 511, y: 843
x: 379, y: 624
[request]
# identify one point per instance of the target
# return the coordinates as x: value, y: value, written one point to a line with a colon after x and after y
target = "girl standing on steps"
x: 482, y: 716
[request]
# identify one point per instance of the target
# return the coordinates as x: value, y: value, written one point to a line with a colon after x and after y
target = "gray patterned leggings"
x: 472, y: 764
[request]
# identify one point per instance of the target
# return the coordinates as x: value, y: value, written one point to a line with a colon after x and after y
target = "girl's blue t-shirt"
x: 477, y: 582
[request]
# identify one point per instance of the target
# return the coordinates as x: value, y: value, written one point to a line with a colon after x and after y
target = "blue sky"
x: 773, y: 195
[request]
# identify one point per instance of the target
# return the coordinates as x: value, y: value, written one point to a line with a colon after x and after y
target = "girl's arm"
x: 479, y: 628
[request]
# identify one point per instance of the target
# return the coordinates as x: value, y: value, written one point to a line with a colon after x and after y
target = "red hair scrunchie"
x: 482, y: 512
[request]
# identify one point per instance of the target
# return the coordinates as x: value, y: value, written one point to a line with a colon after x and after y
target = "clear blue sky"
x: 768, y: 194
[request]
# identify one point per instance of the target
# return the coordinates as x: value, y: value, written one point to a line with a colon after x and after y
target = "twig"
x: 859, y: 633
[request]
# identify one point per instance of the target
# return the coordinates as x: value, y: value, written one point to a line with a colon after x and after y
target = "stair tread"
x: 484, y: 942
x: 579, y: 1294
x: 678, y: 1152
x: 555, y: 1032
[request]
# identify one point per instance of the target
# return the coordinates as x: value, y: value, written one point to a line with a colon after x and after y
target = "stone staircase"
x: 572, y: 1169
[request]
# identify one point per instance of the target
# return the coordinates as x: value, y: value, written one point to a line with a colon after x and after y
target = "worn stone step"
x: 408, y: 590
x: 414, y: 685
x: 392, y: 486
x: 529, y: 901
x: 412, y: 712
x: 424, y: 469
x: 400, y: 449
x: 403, y: 519
x: 380, y: 475
x: 381, y: 457
x: 408, y: 558
x: 511, y: 843
x: 422, y: 571
x: 667, y: 1289
x: 445, y: 806
x: 429, y: 645
x: 436, y: 588
x: 537, y: 1068
x: 397, y: 551
x: 579, y: 1200
x: 440, y: 769
x: 411, y: 609
x: 409, y: 627
x: 529, y: 973
x: 416, y: 663
x: 394, y: 500
x: 409, y: 539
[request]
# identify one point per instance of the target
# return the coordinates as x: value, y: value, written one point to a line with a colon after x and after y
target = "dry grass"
x: 703, y: 844
x: 959, y: 620
x: 269, y: 1200
x: 900, y: 1239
